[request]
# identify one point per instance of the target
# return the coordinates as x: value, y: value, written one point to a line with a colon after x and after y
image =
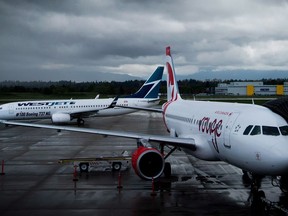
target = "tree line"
x: 187, y: 86
x: 105, y: 88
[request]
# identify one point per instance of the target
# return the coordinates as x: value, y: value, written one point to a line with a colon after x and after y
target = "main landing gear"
x: 167, y: 167
x: 80, y: 122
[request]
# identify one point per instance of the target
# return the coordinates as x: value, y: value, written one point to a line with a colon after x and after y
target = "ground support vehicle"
x: 114, y: 163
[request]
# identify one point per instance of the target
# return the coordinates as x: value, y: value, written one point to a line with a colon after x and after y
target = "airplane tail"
x: 150, y: 89
x: 172, y: 86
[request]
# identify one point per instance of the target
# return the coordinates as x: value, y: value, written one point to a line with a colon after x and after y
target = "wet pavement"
x: 35, y: 184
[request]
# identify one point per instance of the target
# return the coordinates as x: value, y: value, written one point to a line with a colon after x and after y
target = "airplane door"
x: 11, y: 109
x: 228, y: 129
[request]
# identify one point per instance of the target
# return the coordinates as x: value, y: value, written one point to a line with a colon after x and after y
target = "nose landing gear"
x: 256, y: 197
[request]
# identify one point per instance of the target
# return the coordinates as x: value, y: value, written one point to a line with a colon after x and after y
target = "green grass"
x: 15, y: 96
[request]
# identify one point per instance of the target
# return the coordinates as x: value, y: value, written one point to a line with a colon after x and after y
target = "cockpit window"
x: 284, y: 130
x: 272, y: 131
x: 247, y: 130
x: 256, y: 130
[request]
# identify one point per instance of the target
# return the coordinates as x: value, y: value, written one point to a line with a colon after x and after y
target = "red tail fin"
x: 172, y: 86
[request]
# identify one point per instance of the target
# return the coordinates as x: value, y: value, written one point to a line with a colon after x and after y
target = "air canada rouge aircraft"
x: 63, y: 111
x: 251, y: 137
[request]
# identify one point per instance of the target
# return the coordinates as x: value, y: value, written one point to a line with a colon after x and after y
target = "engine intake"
x: 148, y: 163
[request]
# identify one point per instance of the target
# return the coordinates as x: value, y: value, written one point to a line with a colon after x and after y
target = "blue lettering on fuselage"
x: 56, y: 103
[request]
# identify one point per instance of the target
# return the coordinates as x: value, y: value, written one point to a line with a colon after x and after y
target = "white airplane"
x: 63, y: 111
x: 251, y: 137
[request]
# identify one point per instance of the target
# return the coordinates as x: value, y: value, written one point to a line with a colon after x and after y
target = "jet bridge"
x: 279, y: 106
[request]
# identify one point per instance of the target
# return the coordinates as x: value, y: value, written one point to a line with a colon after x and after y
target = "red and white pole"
x: 119, y: 181
x: 75, y: 173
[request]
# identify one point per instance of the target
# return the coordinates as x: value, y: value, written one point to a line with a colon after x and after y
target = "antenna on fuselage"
x: 253, y: 101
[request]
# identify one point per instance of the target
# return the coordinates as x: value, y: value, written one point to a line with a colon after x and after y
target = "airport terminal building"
x: 251, y: 88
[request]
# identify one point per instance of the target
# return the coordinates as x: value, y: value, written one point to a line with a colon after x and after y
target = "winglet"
x: 172, y: 86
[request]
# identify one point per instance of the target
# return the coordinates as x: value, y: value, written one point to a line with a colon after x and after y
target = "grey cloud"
x: 76, y: 39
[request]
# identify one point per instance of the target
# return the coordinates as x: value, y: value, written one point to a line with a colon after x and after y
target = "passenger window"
x: 272, y: 131
x: 256, y: 130
x: 247, y: 130
x: 284, y: 130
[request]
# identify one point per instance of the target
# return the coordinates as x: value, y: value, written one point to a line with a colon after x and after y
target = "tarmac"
x: 32, y: 182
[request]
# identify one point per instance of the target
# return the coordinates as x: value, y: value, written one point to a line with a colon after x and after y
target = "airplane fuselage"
x: 92, y: 107
x: 248, y: 136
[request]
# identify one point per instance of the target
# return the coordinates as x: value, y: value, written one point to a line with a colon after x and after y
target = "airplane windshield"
x: 266, y: 130
x: 256, y: 130
x: 272, y: 131
x: 247, y: 130
x: 284, y: 130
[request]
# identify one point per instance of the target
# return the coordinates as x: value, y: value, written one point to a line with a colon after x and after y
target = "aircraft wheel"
x: 84, y: 167
x: 116, y: 166
x: 80, y: 122
x: 167, y: 169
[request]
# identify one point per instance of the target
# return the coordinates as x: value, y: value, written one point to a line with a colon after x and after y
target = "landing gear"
x: 258, y: 205
x: 167, y: 170
x: 256, y: 197
x: 80, y: 121
x: 167, y: 166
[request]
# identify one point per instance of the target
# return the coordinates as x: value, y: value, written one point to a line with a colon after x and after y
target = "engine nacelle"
x: 61, y: 118
x: 148, y: 163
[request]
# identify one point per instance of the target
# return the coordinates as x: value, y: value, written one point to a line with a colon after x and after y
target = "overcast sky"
x: 76, y: 40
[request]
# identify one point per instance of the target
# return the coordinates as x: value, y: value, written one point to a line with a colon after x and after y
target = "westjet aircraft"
x: 251, y: 137
x: 63, y: 111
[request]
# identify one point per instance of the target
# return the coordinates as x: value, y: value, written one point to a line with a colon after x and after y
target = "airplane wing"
x: 158, y: 110
x: 166, y: 140
x: 90, y: 113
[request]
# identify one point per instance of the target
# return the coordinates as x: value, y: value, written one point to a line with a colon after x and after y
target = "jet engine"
x: 148, y: 163
x: 61, y: 118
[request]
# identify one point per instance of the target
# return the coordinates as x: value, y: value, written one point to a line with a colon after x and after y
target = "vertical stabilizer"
x: 150, y: 89
x: 172, y: 86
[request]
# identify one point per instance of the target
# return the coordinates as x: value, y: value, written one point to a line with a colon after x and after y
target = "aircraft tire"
x: 84, y: 167
x: 116, y: 166
x: 80, y: 122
